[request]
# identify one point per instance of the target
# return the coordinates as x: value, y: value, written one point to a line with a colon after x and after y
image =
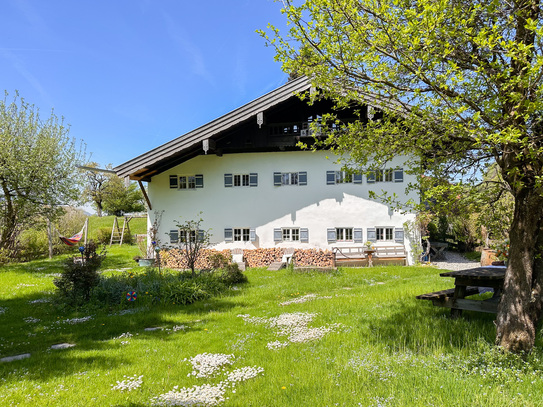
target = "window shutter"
x: 228, y: 180
x: 277, y: 235
x: 330, y: 177
x: 228, y: 235
x: 371, y: 177
x: 252, y: 234
x: 358, y: 237
x: 398, y: 235
x: 201, y: 235
x: 199, y: 179
x: 304, y: 235
x: 253, y: 180
x: 357, y: 178
x: 277, y: 179
x: 372, y: 234
x: 174, y: 182
x: 174, y: 236
x: 398, y: 175
x: 302, y: 178
x: 331, y: 235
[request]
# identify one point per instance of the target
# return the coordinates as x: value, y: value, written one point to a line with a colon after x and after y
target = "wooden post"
x: 50, y: 238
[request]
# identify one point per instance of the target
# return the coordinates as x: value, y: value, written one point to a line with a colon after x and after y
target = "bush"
x: 231, y: 274
x: 151, y: 286
x: 80, y: 275
x: 103, y: 235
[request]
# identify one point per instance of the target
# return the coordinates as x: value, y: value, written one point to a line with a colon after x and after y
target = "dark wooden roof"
x: 189, y: 145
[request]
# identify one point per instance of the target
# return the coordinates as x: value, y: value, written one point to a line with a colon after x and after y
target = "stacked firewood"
x: 262, y: 257
x: 313, y: 257
x: 176, y: 260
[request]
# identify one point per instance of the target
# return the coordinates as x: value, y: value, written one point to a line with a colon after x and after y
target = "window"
x: 344, y: 234
x: 291, y: 234
x: 186, y: 181
x: 384, y: 234
x: 239, y: 235
x: 387, y: 175
x: 241, y: 180
x: 290, y: 178
x: 342, y: 177
x: 185, y: 235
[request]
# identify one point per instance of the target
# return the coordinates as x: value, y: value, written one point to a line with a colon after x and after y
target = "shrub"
x: 151, y: 286
x: 102, y: 235
x: 80, y: 275
x: 231, y: 274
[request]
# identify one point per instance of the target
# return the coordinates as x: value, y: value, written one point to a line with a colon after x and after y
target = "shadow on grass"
x: 34, y: 328
x: 409, y: 325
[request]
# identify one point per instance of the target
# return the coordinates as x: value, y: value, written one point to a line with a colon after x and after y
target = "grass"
x: 383, y: 347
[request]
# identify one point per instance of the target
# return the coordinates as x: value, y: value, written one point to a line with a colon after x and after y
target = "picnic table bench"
x: 467, y: 283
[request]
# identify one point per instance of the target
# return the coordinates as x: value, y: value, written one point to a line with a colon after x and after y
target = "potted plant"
x: 369, y: 245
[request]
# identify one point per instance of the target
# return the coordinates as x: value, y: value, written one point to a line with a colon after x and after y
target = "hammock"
x: 72, y: 241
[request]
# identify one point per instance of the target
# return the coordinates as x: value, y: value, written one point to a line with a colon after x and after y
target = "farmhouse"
x: 257, y: 189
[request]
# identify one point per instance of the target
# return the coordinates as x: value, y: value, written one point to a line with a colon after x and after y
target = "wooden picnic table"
x: 467, y: 283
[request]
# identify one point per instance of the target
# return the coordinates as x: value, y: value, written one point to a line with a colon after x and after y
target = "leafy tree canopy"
x: 461, y: 86
x: 38, y: 162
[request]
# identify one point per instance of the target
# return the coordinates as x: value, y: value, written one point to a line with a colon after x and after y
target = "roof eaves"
x: 212, y: 128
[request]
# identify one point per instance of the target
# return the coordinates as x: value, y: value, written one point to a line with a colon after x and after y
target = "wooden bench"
x: 445, y: 298
x: 439, y: 295
x: 358, y: 255
x: 390, y: 254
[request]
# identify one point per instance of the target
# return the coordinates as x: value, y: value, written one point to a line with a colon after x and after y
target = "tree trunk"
x: 520, y: 305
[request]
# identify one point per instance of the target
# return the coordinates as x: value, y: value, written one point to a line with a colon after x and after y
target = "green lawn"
x: 356, y: 337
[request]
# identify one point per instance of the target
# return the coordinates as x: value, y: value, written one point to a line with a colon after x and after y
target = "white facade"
x: 251, y: 217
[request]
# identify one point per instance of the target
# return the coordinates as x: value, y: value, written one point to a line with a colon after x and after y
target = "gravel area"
x: 455, y: 261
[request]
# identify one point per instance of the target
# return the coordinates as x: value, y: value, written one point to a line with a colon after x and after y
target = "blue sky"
x: 129, y: 75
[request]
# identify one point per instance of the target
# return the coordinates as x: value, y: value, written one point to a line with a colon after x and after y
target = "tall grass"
x: 380, y: 346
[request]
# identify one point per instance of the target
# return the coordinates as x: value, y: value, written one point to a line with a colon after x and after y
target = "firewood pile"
x: 176, y: 260
x: 173, y: 258
x: 313, y: 257
x: 262, y: 257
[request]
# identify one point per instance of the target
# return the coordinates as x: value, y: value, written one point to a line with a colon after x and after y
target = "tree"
x: 460, y: 85
x: 37, y: 169
x: 96, y: 182
x: 119, y: 198
x: 192, y: 240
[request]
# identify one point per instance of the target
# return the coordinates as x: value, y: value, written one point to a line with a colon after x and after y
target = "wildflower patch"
x: 294, y: 326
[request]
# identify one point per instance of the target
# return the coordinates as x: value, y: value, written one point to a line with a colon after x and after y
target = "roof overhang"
x: 187, y: 146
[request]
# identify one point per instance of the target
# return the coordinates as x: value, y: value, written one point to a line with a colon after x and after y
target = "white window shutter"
x: 199, y: 179
x: 358, y: 237
x: 277, y: 235
x: 371, y: 177
x: 330, y: 177
x: 302, y: 178
x: 174, y: 182
x: 398, y: 175
x: 371, y: 234
x: 357, y: 178
x: 331, y: 235
x: 174, y: 236
x: 277, y: 179
x: 253, y: 179
x: 399, y: 235
x: 304, y: 235
x: 228, y: 235
x: 228, y: 180
x: 252, y: 234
